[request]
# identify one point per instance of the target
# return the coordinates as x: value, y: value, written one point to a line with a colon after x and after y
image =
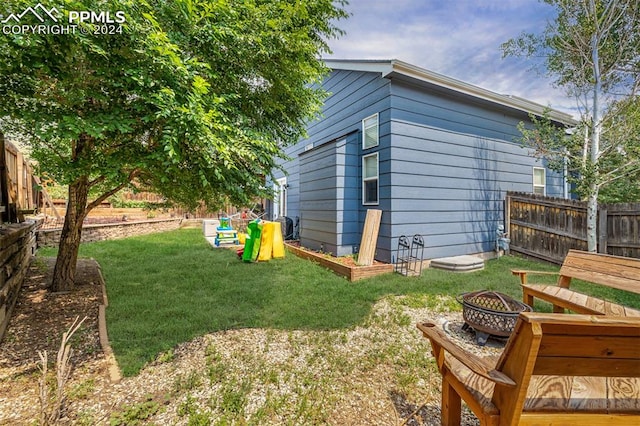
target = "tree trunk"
x: 592, y: 202
x: 78, y: 207
x: 65, y: 269
x: 592, y: 220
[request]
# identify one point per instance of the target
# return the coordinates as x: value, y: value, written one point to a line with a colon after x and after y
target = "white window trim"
x: 544, y: 184
x: 377, y: 178
x: 364, y: 130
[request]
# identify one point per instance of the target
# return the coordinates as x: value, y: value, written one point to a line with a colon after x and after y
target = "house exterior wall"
x: 318, y: 198
x: 353, y: 96
x: 452, y: 162
x: 329, y: 197
x: 445, y: 164
x: 449, y: 187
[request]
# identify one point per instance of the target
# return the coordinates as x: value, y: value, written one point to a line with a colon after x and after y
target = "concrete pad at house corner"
x: 465, y: 263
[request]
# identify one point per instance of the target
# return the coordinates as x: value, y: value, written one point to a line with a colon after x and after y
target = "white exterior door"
x: 280, y: 199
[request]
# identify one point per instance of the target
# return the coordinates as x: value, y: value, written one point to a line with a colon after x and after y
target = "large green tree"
x: 592, y: 49
x: 192, y: 99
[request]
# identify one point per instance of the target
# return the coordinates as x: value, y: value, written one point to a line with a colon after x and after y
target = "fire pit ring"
x: 490, y: 313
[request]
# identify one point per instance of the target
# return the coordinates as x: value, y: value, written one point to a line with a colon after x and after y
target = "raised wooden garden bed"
x: 351, y: 272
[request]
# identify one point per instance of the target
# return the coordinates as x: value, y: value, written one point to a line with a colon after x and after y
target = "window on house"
x: 539, y: 180
x: 370, y: 179
x: 370, y: 132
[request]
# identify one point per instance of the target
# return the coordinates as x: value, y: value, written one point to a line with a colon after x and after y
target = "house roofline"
x: 388, y: 68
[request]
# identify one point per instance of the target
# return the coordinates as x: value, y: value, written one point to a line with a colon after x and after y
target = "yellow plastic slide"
x: 278, y: 243
x: 271, y: 241
x: 266, y: 242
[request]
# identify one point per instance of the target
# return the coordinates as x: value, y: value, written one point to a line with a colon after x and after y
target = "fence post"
x: 4, y: 184
x: 507, y: 214
x: 602, y: 231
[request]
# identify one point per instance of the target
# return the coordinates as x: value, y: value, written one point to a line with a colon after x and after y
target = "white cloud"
x: 458, y: 38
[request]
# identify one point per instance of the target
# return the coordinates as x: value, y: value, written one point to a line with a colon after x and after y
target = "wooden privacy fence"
x: 18, y: 187
x: 547, y: 227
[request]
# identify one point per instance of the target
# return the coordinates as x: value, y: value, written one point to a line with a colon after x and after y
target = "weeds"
x: 165, y: 357
x: 331, y: 344
x: 234, y: 397
x: 200, y: 419
x: 85, y: 418
x: 189, y: 381
x: 134, y: 414
x: 189, y: 407
x: 82, y: 390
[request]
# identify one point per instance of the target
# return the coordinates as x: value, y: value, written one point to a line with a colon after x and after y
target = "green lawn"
x: 165, y: 289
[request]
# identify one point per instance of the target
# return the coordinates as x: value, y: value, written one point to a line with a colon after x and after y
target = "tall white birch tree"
x: 592, y: 49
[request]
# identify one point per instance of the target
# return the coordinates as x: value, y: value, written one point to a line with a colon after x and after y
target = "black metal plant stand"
x: 409, y: 255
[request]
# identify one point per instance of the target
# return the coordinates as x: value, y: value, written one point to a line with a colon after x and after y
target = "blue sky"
x: 458, y: 38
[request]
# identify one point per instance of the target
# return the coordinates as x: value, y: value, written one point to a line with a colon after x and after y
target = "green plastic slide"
x: 252, y: 243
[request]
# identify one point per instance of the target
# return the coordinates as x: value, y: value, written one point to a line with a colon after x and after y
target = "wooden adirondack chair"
x: 555, y: 369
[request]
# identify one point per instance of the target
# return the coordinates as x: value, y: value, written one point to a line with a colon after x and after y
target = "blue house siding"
x: 318, y: 196
x: 348, y: 184
x: 329, y: 197
x: 446, y: 160
x: 450, y: 187
x: 424, y: 105
x: 348, y: 91
x: 353, y: 96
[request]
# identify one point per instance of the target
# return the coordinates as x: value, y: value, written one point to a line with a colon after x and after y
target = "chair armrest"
x: 523, y: 274
x: 440, y: 341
